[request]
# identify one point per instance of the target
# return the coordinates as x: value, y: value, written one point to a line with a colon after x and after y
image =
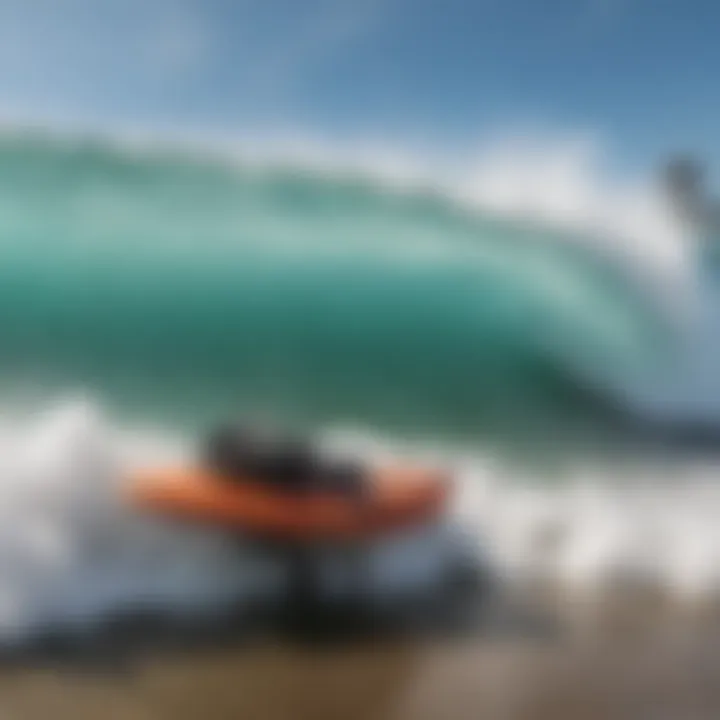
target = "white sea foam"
x: 72, y: 551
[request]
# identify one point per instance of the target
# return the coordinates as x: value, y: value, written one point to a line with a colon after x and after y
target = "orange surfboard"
x: 396, y: 498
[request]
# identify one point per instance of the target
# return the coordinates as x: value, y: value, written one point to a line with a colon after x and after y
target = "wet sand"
x: 636, y: 663
x: 398, y: 682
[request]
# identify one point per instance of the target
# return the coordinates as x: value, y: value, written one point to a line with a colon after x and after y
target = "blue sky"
x: 640, y: 72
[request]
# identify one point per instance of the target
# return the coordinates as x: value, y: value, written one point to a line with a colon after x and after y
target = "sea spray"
x: 74, y: 553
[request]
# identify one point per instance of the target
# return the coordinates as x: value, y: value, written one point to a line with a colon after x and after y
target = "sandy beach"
x: 397, y: 682
x: 633, y: 663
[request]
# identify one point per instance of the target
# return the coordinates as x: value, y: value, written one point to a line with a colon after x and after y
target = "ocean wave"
x: 522, y: 285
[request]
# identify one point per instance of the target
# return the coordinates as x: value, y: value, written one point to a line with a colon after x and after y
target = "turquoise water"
x: 176, y: 289
x: 182, y: 288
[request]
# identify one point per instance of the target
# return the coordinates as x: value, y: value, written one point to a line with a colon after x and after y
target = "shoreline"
x: 625, y: 660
